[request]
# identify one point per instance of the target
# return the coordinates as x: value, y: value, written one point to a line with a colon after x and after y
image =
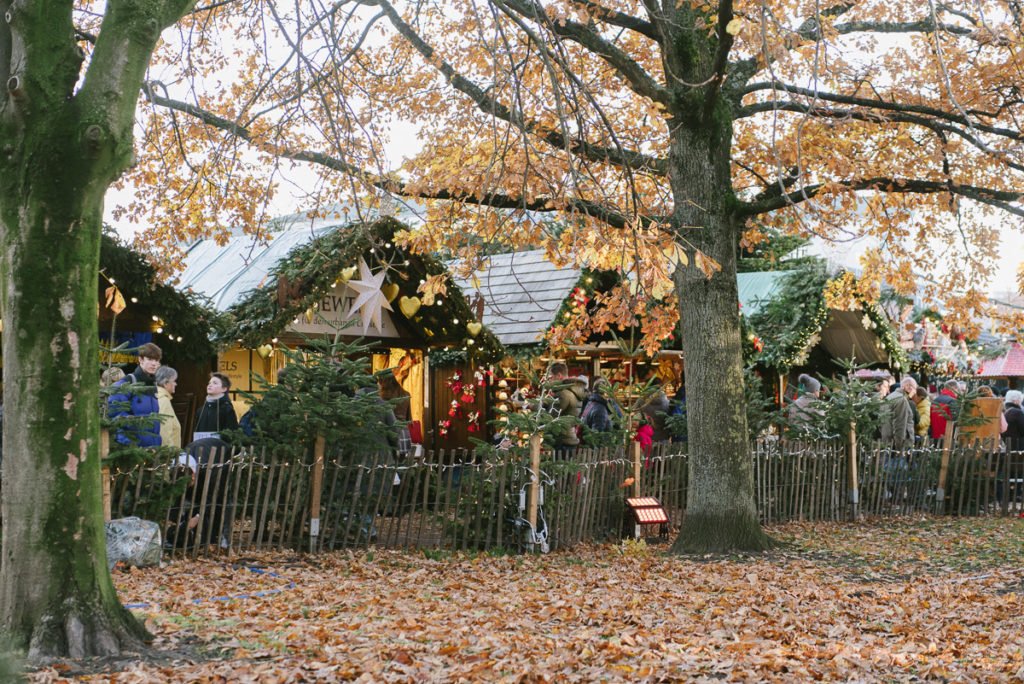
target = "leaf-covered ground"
x: 909, y: 600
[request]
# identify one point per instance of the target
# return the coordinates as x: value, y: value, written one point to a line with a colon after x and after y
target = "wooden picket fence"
x: 255, y: 499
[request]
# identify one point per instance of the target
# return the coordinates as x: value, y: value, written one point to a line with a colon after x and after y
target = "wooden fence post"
x: 318, y: 485
x: 854, y: 480
x: 531, y: 509
x: 637, y: 461
x: 947, y: 445
x: 105, y: 472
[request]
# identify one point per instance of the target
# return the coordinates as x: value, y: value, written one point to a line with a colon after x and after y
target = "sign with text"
x: 334, y: 312
x: 236, y: 364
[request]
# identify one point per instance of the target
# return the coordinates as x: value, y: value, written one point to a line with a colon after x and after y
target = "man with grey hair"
x: 1014, y: 434
x: 897, y: 416
x: 804, y: 413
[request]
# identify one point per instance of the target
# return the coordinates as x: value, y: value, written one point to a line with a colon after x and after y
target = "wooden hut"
x: 327, y: 276
x: 136, y: 306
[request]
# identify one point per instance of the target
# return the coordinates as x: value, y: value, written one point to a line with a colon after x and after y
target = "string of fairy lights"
x: 116, y: 302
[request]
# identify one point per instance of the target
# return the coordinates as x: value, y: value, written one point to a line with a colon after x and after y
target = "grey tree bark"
x: 721, y: 512
x: 63, y: 140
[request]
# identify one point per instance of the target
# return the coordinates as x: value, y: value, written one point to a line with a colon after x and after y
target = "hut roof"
x: 523, y: 293
x: 757, y: 288
x: 267, y: 286
x: 187, y: 320
x: 226, y: 272
x: 1009, y: 365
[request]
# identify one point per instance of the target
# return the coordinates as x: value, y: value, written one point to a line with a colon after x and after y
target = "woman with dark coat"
x: 597, y: 412
x: 216, y: 414
x: 1014, y: 414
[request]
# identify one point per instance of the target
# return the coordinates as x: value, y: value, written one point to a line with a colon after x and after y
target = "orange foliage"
x: 868, y: 120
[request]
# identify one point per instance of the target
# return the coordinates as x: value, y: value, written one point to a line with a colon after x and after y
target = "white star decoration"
x: 370, y: 299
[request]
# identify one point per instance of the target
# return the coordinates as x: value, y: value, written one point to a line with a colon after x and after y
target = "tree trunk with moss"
x: 721, y: 513
x: 63, y: 140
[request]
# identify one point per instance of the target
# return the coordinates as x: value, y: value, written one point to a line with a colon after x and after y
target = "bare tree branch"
x: 1001, y: 199
x: 920, y: 26
x: 809, y: 29
x: 823, y: 112
x: 634, y: 75
x: 394, y: 186
x: 491, y: 106
x: 621, y: 19
x: 886, y: 106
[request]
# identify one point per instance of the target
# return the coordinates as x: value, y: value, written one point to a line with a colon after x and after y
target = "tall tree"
x: 655, y: 130
x: 65, y: 135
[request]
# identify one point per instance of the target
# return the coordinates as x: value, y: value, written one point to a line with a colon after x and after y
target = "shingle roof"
x: 522, y: 293
x: 1009, y: 365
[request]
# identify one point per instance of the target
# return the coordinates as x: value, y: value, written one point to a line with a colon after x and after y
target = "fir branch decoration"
x: 790, y: 323
x: 310, y: 271
x: 184, y: 314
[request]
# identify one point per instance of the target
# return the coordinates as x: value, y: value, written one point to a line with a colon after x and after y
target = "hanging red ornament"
x: 454, y: 410
x: 579, y: 297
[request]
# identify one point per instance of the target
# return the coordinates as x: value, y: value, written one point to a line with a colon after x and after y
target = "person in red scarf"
x: 645, y: 436
x: 942, y: 408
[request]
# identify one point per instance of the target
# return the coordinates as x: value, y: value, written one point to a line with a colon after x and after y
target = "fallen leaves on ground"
x: 907, y: 600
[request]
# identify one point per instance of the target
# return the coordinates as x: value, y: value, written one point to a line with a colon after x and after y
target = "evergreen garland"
x: 184, y: 314
x: 793, y: 318
x: 310, y: 270
x: 789, y: 320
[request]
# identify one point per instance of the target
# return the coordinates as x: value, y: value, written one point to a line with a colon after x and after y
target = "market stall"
x: 327, y: 277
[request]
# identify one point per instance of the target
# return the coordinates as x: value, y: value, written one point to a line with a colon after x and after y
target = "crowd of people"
x: 910, y: 415
x: 598, y: 412
x: 140, y: 405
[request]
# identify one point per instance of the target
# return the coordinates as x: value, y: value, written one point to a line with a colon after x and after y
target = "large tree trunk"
x: 721, y: 514
x: 56, y: 595
x: 63, y: 140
